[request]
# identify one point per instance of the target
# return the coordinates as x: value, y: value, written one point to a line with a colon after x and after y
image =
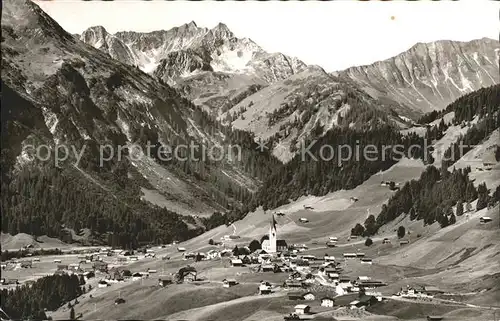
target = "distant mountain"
x: 429, y: 76
x: 187, y: 50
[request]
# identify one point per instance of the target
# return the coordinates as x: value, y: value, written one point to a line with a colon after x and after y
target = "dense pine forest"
x: 48, y: 293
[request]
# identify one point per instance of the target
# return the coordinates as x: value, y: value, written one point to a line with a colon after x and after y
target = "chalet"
x: 363, y: 278
x: 353, y: 237
x: 308, y: 207
x: 136, y: 276
x: 354, y: 199
x: 280, y: 214
x: 189, y: 256
x: 434, y: 318
x: 485, y: 219
x: 119, y: 301
x: 404, y: 242
x: 334, y: 239
x: 309, y: 296
x: 227, y: 283
x: 103, y: 284
x: 164, y: 281
x: 366, y: 260
x: 133, y: 258
x: 152, y: 270
x: 281, y: 245
x: 327, y: 302
x: 151, y: 255
x: 344, y: 280
x: 264, y: 287
x: 236, y: 262
x: 302, y: 309
x: 36, y: 259
x: 360, y: 255
x: 303, y: 220
x: 331, y: 244
x: 190, y: 274
x: 349, y: 255
x: 386, y: 241
x: 234, y: 237
x: 181, y: 249
x: 295, y: 296
x: 57, y: 261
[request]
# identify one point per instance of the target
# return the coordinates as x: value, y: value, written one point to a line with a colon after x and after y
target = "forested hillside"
x: 432, y: 197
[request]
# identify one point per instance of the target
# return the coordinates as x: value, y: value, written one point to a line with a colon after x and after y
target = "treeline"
x: 478, y: 103
x: 45, y: 200
x: 431, y: 198
x: 7, y: 255
x: 48, y: 293
x: 475, y: 135
x: 326, y: 165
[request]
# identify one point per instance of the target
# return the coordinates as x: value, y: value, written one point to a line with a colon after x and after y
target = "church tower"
x: 272, y: 235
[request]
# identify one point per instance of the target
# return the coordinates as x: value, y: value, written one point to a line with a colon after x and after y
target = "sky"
x: 334, y: 35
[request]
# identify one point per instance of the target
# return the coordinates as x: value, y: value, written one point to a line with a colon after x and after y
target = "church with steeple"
x: 272, y: 244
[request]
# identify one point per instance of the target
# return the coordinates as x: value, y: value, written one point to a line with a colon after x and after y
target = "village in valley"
x: 337, y: 277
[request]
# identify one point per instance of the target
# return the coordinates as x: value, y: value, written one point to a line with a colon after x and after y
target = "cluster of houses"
x: 418, y: 291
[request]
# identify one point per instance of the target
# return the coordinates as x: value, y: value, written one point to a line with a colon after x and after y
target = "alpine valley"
x: 71, y: 101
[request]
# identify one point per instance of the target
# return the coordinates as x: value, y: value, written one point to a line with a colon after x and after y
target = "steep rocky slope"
x: 188, y: 49
x: 59, y: 91
x: 429, y: 76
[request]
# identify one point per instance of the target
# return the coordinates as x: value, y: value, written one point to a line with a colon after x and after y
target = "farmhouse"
x: 136, y: 276
x: 434, y: 318
x: 360, y: 255
x: 404, y: 242
x: 386, y: 241
x: 189, y: 256
x: 432, y: 290
x: 264, y: 287
x: 303, y: 220
x: 102, y: 284
x: 187, y: 274
x: 302, y: 309
x: 164, y: 281
x: 229, y: 283
x: 236, y: 262
x: 57, y: 261
x: 334, y: 238
x: 366, y: 260
x: 485, y: 219
x: 327, y: 302
x: 181, y: 249
x: 309, y: 296
x: 354, y: 199
x: 349, y: 255
x: 331, y: 244
x: 134, y: 258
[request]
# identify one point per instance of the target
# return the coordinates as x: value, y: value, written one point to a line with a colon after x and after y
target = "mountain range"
x: 191, y: 84
x: 250, y: 89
